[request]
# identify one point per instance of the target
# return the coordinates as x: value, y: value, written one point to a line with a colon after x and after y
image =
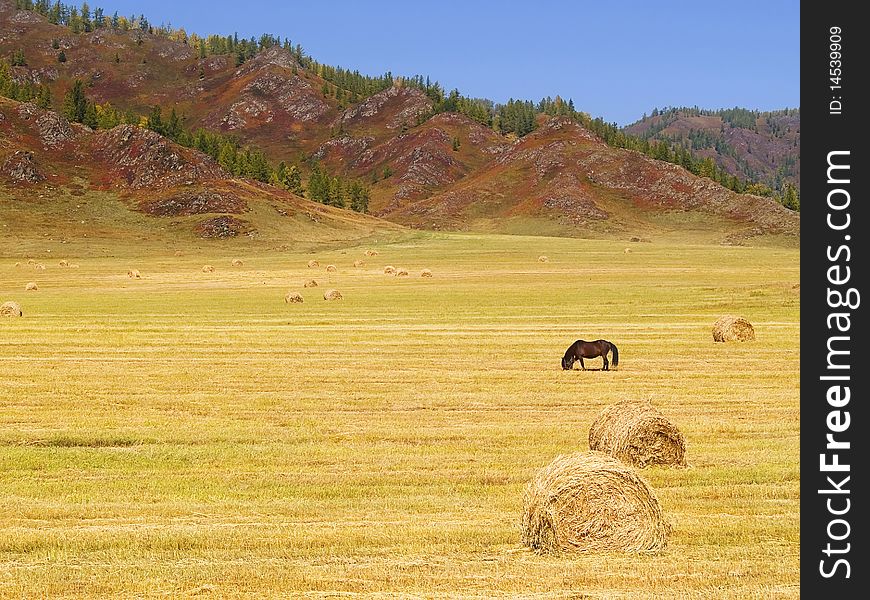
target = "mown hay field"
x: 191, y: 434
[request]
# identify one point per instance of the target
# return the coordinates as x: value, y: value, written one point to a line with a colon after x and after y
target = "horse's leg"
x: 582, y: 366
x: 606, y: 364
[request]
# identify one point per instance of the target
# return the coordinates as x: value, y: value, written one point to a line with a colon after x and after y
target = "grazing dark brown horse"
x: 582, y: 349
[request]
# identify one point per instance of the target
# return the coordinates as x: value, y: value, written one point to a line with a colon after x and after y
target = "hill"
x: 65, y: 181
x: 754, y: 146
x: 429, y: 160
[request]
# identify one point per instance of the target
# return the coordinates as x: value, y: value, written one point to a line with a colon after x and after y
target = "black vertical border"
x: 823, y: 132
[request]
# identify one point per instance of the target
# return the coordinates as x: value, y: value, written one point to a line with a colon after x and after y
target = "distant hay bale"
x: 359, y: 263
x: 372, y: 253
x: 134, y: 274
x: 30, y: 261
x: 31, y: 287
x: 237, y: 262
x: 425, y: 273
x: 293, y: 298
x: 401, y: 273
x: 588, y: 502
x: 179, y: 253
x: 64, y: 264
x: 637, y: 434
x: 332, y: 295
x: 389, y: 270
x: 733, y: 329
x: 17, y: 265
x: 627, y: 251
x: 310, y: 284
x: 543, y: 259
x: 208, y: 269
x: 73, y: 266
x: 331, y: 268
x: 11, y: 309
x: 39, y: 267
x: 312, y: 264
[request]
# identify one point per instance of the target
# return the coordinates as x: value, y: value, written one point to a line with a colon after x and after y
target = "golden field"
x: 189, y: 434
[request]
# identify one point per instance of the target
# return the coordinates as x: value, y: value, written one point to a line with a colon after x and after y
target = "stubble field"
x: 190, y: 434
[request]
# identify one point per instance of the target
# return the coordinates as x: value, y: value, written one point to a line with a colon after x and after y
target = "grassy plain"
x: 190, y: 435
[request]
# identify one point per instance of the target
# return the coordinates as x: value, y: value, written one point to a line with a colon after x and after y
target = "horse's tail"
x: 615, y: 354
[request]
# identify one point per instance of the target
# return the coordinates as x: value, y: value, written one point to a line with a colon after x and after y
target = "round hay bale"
x: 293, y: 298
x: 637, y: 434
x: 31, y: 261
x: 11, y: 309
x: 372, y: 253
x: 312, y: 264
x: 359, y: 263
x: 733, y: 329
x: 64, y: 264
x: 238, y: 262
x: 425, y: 273
x: 331, y: 268
x: 389, y: 270
x: 17, y: 265
x: 208, y: 269
x: 543, y: 259
x: 588, y: 502
x: 73, y: 266
x: 134, y: 274
x: 39, y: 267
x: 179, y: 253
x: 627, y: 251
x: 401, y: 273
x: 31, y: 287
x: 310, y: 284
x: 332, y: 295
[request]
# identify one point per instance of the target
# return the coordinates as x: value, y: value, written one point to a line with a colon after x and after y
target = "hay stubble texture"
x: 590, y: 502
x: 637, y: 434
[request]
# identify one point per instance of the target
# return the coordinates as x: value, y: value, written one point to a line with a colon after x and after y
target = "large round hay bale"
x: 627, y: 251
x: 179, y: 253
x: 425, y: 273
x: 588, y: 502
x: 134, y: 274
x: 312, y: 264
x: 331, y: 268
x: 310, y: 284
x: 39, y: 267
x: 402, y: 273
x: 733, y: 329
x: 11, y: 309
x: 207, y: 269
x: 543, y: 259
x: 293, y: 298
x: 31, y: 287
x: 359, y: 263
x: 237, y: 262
x: 637, y: 434
x: 332, y: 295
x: 372, y: 253
x: 64, y: 263
x: 31, y: 261
x: 389, y: 270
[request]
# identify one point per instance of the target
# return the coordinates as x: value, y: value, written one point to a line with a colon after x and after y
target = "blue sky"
x: 616, y: 58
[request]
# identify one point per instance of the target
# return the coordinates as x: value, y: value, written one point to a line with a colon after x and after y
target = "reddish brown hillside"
x: 562, y: 179
x: 763, y: 147
x: 53, y: 174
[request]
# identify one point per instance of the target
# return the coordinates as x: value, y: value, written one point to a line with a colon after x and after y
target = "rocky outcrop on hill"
x: 148, y: 160
x: 20, y: 166
x: 396, y: 106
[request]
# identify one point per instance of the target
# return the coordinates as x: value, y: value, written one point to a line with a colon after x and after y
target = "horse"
x: 582, y: 349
